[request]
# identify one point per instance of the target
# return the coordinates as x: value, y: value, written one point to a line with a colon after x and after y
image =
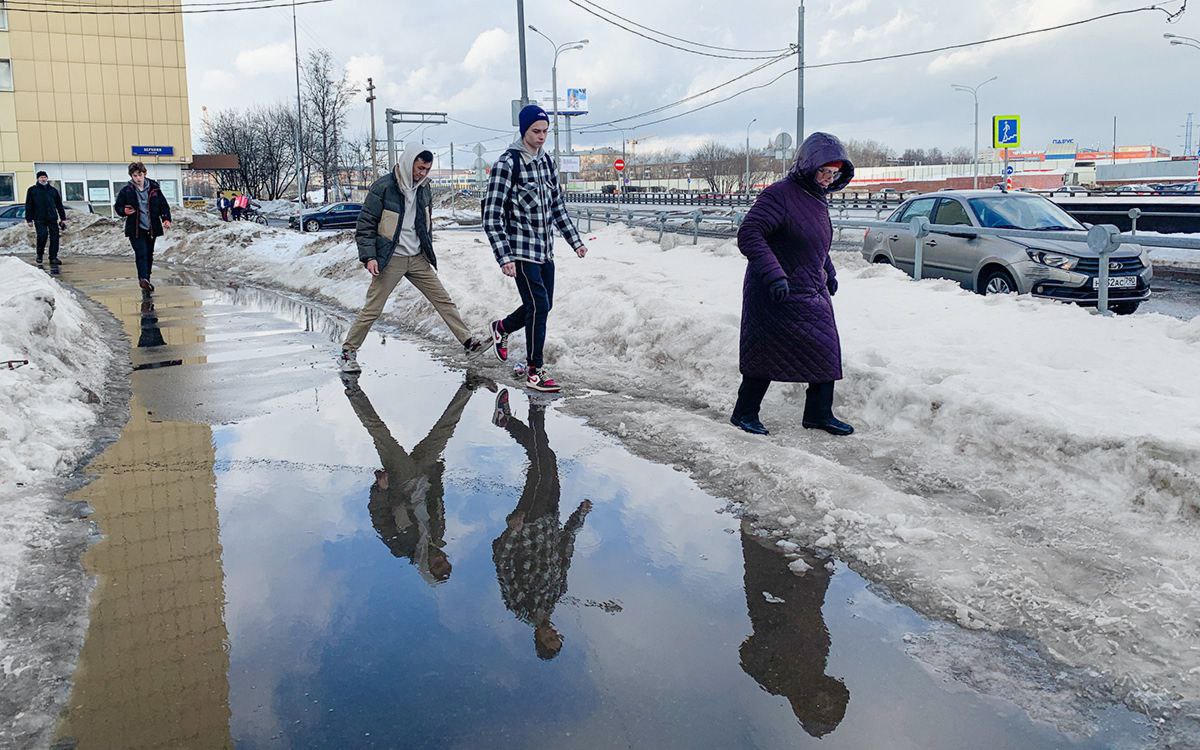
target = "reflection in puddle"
x: 787, y: 652
x: 289, y: 624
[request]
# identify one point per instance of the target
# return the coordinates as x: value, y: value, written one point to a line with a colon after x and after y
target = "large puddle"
x: 290, y: 560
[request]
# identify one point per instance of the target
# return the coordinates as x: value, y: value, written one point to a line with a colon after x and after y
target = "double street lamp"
x: 974, y: 92
x: 1183, y: 41
x: 558, y: 49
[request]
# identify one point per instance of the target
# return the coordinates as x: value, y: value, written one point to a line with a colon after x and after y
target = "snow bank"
x: 47, y: 407
x: 1021, y: 465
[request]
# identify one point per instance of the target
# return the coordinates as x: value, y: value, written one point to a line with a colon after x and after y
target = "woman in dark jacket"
x: 788, y: 330
x: 147, y: 214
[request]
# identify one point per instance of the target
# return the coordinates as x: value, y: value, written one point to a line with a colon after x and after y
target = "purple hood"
x: 818, y: 150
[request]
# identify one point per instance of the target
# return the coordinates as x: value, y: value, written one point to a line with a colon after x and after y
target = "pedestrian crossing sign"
x: 1006, y: 131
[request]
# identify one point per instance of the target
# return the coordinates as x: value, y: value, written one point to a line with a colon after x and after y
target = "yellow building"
x: 82, y: 95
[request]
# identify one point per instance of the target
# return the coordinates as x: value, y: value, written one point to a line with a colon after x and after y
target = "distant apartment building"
x: 83, y: 94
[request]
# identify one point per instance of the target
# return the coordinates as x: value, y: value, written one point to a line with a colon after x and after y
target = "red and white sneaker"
x: 499, y: 341
x: 502, y: 411
x: 540, y: 380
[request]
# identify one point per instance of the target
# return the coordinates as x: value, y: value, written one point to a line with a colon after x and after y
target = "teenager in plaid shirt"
x: 521, y: 209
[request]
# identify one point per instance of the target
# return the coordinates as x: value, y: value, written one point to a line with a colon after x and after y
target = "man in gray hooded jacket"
x: 394, y: 242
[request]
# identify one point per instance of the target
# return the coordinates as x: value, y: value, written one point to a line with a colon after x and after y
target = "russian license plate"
x: 1117, y: 282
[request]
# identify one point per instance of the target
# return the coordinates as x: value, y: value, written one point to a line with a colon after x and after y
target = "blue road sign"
x: 153, y: 150
x: 1009, y: 170
x: 1006, y: 131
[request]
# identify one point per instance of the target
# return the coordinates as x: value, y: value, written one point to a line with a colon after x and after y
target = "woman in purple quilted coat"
x: 788, y: 330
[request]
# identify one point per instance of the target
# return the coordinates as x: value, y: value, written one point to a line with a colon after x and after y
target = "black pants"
x: 47, y: 230
x: 535, y: 282
x: 143, y: 253
x: 818, y: 399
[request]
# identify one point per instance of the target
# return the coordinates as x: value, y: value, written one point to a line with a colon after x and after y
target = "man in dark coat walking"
x: 788, y: 329
x: 44, y: 210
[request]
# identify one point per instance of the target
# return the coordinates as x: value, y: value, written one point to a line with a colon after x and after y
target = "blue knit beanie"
x: 530, y: 114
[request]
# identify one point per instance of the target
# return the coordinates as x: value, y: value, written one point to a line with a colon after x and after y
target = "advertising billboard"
x: 576, y: 102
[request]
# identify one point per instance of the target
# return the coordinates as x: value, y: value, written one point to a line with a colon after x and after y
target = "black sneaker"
x: 473, y: 346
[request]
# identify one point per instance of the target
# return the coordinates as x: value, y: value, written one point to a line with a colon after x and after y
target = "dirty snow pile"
x: 46, y: 407
x: 1020, y: 465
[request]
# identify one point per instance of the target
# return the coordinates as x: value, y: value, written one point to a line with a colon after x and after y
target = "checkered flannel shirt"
x: 532, y: 564
x: 521, y: 208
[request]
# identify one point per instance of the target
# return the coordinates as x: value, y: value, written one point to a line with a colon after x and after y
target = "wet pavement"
x: 419, y: 557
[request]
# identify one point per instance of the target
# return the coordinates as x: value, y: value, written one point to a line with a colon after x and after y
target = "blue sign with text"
x: 153, y: 150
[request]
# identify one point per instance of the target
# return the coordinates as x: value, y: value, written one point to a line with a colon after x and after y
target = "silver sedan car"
x: 1055, y: 269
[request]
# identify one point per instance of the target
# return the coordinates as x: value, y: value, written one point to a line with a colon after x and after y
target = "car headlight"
x: 1054, y: 260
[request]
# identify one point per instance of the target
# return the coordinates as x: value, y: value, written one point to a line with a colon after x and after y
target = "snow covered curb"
x: 1020, y: 465
x: 49, y: 406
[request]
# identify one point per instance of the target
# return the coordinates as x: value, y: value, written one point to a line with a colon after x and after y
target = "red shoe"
x: 502, y: 411
x: 499, y: 341
x: 539, y: 380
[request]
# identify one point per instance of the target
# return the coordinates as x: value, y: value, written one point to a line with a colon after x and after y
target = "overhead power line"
x: 33, y: 6
x: 1171, y: 16
x: 635, y: 32
x: 681, y: 39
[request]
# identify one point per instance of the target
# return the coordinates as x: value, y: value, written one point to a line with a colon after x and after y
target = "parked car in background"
x: 1138, y: 189
x: 12, y: 214
x: 333, y: 216
x: 1186, y: 188
x: 1043, y: 267
x: 1069, y: 190
x: 197, y: 202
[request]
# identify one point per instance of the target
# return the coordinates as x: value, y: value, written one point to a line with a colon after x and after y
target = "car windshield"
x: 1021, y: 212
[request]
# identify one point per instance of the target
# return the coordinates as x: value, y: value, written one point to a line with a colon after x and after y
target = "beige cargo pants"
x: 424, y: 277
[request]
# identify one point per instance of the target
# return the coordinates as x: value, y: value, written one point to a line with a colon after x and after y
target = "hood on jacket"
x: 404, y: 168
x: 818, y: 150
x: 522, y: 149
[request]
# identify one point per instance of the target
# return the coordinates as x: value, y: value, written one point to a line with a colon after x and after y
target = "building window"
x: 8, y: 188
x: 3, y: 16
x: 98, y: 191
x: 6, y: 82
x: 170, y: 190
x: 74, y: 192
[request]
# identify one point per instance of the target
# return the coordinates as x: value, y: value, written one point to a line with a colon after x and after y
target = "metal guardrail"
x: 1103, y: 239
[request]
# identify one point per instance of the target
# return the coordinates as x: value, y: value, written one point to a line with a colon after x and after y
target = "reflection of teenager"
x: 151, y: 335
x: 787, y: 651
x: 406, y: 504
x: 534, y: 552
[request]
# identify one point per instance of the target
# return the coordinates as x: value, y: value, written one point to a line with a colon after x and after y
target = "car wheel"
x: 312, y: 225
x: 998, y: 281
x: 882, y: 259
x: 1124, y: 308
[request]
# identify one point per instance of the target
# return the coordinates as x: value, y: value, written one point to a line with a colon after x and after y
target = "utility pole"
x: 748, y: 156
x: 800, y: 77
x: 299, y: 119
x: 371, y: 101
x: 974, y: 92
x: 521, y: 45
x: 1114, y: 151
x: 1187, y: 135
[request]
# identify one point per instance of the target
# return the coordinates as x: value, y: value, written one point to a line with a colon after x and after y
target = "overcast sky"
x: 460, y: 56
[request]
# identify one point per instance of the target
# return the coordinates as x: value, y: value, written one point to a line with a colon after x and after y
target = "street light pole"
x: 974, y: 92
x: 558, y: 49
x: 748, y: 156
x: 299, y: 119
x: 521, y: 45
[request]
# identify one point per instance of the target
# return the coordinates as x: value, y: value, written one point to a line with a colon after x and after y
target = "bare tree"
x: 263, y: 141
x: 960, y: 155
x: 716, y: 164
x: 327, y: 98
x: 868, y: 153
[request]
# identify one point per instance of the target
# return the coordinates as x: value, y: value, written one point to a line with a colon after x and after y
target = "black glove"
x: 831, y: 285
x: 778, y: 290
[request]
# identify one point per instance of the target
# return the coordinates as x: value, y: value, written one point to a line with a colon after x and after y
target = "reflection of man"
x: 787, y: 651
x: 533, y: 553
x: 406, y: 504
